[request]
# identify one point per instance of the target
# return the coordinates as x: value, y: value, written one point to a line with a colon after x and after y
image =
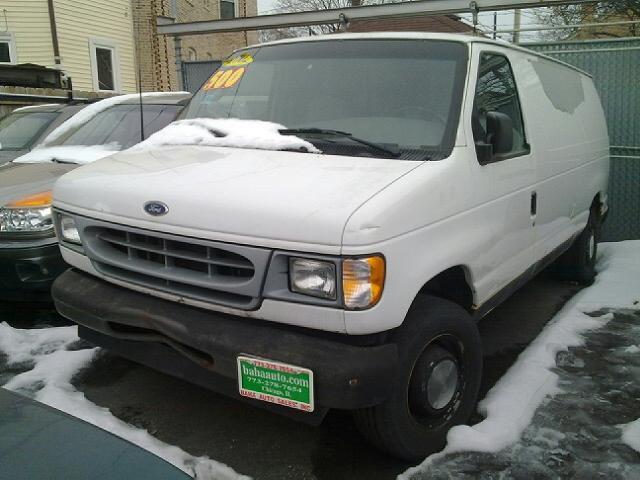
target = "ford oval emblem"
x: 156, y: 208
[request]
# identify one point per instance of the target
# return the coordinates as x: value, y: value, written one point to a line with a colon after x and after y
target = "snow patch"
x: 88, y: 112
x: 631, y: 434
x: 31, y: 107
x: 49, y: 382
x: 510, y: 405
x: 72, y: 154
x: 632, y: 349
x: 226, y: 132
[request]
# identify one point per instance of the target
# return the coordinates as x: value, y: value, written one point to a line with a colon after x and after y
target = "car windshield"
x: 120, y: 125
x: 400, y: 93
x: 20, y: 130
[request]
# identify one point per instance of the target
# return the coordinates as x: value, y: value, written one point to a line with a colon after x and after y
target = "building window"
x: 7, y: 48
x: 228, y: 9
x: 104, y: 65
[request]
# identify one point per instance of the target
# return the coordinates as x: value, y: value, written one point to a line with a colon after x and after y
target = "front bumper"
x: 202, y: 346
x: 26, y: 274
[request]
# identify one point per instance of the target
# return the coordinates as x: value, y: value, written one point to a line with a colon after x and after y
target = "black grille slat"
x: 178, y: 288
x: 196, y: 269
x: 172, y: 252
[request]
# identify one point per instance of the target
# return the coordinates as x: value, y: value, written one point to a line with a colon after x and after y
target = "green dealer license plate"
x: 276, y: 382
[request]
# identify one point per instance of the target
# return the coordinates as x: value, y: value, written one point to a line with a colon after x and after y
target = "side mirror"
x: 499, y: 132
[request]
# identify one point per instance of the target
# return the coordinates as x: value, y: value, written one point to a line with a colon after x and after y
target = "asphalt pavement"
x: 266, y: 446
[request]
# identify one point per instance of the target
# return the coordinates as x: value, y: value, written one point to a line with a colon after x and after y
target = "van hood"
x: 215, y: 192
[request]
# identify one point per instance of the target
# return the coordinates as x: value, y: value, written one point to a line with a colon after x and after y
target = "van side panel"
x: 597, y: 141
x: 570, y: 143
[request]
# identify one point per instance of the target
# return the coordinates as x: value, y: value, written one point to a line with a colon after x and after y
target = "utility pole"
x: 516, y: 25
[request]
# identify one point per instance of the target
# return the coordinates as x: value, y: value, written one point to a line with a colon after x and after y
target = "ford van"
x: 329, y: 219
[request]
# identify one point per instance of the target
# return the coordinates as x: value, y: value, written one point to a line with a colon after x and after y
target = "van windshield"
x: 403, y: 95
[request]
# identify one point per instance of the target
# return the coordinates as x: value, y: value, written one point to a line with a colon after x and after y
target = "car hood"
x: 277, y: 195
x: 19, y: 180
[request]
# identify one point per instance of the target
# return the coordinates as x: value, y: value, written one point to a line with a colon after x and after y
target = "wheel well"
x: 596, y: 204
x: 451, y: 285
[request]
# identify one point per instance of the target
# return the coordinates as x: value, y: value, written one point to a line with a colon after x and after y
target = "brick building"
x: 157, y: 53
x: 418, y: 23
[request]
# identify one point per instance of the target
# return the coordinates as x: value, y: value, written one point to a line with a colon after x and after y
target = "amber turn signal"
x: 42, y: 199
x: 362, y: 281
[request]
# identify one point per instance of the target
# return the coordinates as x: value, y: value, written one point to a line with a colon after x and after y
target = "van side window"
x: 496, y: 92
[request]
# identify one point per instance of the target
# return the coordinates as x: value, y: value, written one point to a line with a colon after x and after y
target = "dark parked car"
x: 29, y: 255
x: 39, y: 442
x: 26, y: 127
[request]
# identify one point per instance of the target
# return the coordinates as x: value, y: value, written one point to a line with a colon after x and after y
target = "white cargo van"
x: 338, y: 253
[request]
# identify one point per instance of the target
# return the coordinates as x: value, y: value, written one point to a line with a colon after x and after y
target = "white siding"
x: 78, y: 21
x: 28, y: 21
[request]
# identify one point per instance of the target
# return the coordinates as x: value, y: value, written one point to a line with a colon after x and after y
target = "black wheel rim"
x: 442, y: 384
x: 434, y: 399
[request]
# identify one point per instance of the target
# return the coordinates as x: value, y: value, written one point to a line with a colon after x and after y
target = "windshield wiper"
x: 57, y: 160
x: 391, y: 150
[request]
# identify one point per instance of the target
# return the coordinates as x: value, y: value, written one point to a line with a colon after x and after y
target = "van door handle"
x: 534, y: 204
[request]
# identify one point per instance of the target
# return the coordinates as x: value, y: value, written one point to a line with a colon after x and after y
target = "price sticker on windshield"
x: 241, y: 60
x: 226, y: 78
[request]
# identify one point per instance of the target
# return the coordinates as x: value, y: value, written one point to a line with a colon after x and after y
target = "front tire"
x: 437, y: 384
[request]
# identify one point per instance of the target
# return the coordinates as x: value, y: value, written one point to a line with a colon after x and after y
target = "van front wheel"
x: 437, y: 384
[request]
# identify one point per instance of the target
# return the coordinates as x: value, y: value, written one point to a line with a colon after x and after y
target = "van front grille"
x: 207, y: 271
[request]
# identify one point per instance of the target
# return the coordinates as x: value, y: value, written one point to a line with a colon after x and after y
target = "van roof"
x: 453, y: 37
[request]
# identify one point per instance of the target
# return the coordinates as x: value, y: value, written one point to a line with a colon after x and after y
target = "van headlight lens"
x: 313, y: 277
x: 362, y: 281
x: 27, y: 215
x: 69, y: 230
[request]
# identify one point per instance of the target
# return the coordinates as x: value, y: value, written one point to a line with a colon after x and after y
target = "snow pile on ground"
x: 631, y: 434
x: 49, y: 365
x: 511, y: 404
x: 79, y: 154
x: 88, y: 112
x: 226, y: 132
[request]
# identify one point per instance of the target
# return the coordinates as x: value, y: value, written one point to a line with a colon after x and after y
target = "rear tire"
x: 437, y: 383
x: 579, y: 262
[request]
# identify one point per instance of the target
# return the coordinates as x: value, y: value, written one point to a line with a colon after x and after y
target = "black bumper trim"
x: 201, y: 346
x: 26, y: 274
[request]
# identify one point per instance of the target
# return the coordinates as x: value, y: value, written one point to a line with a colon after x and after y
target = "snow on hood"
x: 79, y: 154
x: 88, y: 112
x: 226, y: 132
x: 31, y: 107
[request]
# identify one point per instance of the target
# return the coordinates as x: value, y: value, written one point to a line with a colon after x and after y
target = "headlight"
x: 69, y: 230
x: 313, y: 277
x: 28, y: 214
x: 362, y: 281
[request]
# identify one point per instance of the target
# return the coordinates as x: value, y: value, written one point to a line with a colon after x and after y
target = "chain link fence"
x: 195, y: 73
